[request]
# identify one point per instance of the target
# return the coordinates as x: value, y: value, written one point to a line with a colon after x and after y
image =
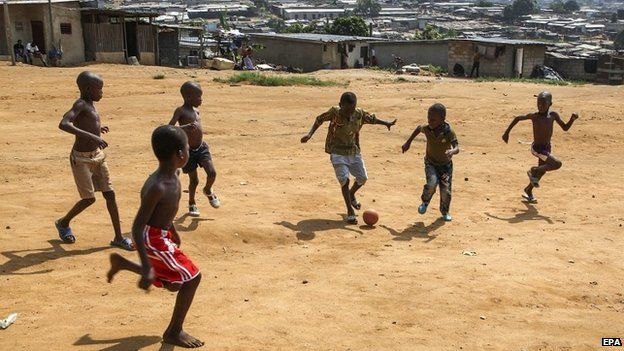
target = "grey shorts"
x: 345, y: 165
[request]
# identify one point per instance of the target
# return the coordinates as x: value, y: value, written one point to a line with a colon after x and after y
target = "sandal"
x: 529, y: 198
x: 125, y: 243
x: 65, y: 234
x: 352, y: 219
x: 355, y: 203
x: 214, y: 200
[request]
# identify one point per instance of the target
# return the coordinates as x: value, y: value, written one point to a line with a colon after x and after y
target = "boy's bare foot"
x: 182, y: 339
x: 116, y: 263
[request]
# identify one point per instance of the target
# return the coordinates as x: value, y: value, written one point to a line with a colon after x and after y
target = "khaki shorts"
x: 90, y: 172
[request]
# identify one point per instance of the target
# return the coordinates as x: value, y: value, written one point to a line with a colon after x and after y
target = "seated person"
x: 18, y: 49
x: 54, y: 56
x: 248, y: 64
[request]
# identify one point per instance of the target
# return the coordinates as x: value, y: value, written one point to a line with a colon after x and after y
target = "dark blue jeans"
x: 442, y: 176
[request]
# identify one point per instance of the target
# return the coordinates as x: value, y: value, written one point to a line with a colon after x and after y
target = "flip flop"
x: 125, y: 243
x: 529, y: 199
x: 65, y: 234
x: 534, y: 181
x: 352, y: 219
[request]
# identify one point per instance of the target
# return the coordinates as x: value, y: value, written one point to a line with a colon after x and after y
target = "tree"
x: 618, y: 42
x: 520, y: 8
x: 369, y: 8
x: 432, y: 33
x: 569, y: 6
x: 298, y: 28
x: 348, y: 25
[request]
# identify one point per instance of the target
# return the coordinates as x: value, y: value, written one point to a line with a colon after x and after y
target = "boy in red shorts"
x: 543, y: 121
x: 155, y: 237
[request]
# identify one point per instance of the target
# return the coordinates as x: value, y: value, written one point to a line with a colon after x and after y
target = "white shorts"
x: 345, y: 165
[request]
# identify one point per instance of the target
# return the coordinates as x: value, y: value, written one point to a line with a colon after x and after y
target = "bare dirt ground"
x: 546, y: 277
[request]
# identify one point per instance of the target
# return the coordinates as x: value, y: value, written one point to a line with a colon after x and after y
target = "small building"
x: 314, y: 13
x: 573, y: 67
x: 312, y: 52
x: 29, y: 21
x: 422, y: 52
x: 115, y: 35
x: 498, y: 57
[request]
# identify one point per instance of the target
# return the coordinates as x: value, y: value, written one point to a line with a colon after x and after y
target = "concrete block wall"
x: 570, y: 68
x: 533, y: 56
x: 421, y: 53
x: 462, y: 52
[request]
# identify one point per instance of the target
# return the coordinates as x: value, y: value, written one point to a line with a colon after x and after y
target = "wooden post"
x: 51, y: 25
x: 123, y: 34
x: 156, y: 44
x: 7, y: 29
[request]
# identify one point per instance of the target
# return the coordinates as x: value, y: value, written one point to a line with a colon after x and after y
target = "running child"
x: 157, y: 241
x: 542, y: 121
x: 187, y: 116
x: 87, y: 159
x: 343, y: 145
x: 442, y: 144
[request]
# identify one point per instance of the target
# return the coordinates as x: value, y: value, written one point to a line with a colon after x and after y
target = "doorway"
x: 38, y: 36
x: 131, y: 40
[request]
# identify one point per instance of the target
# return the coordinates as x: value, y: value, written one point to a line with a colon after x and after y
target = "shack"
x: 115, y: 35
x: 312, y: 52
x: 422, y: 52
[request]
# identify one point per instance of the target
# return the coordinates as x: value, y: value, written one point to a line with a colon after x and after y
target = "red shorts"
x: 169, y: 263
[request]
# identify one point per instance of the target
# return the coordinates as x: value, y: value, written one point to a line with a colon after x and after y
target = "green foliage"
x: 432, y: 33
x: 520, y: 8
x: 276, y: 23
x: 298, y: 28
x: 158, y: 76
x: 569, y: 6
x: 348, y: 25
x: 369, y: 8
x: 273, y: 80
x: 223, y: 20
x: 618, y: 42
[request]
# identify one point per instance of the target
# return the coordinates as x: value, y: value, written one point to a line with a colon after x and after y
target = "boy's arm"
x: 408, y: 143
x: 565, y: 126
x: 372, y: 119
x: 317, y: 123
x: 67, y: 124
x: 176, y: 236
x: 454, y: 150
x: 148, y: 202
x: 513, y: 123
x: 176, y: 119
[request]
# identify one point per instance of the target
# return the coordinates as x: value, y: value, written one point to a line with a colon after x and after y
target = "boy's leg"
x: 341, y: 168
x: 80, y: 206
x: 432, y: 182
x: 211, y: 175
x: 111, y: 205
x: 346, y: 195
x: 120, y: 263
x: 445, y: 176
x: 551, y: 163
x: 193, y: 183
x: 174, y: 334
x: 358, y: 170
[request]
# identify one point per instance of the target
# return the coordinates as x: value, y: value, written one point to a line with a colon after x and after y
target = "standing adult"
x: 476, y: 62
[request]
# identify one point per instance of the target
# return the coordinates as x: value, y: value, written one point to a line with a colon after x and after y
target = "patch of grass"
x: 158, y: 76
x: 274, y: 80
x: 530, y: 80
x: 401, y: 80
x: 434, y: 69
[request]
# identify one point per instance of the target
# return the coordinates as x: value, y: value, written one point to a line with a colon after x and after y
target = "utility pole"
x: 7, y: 30
x: 51, y: 24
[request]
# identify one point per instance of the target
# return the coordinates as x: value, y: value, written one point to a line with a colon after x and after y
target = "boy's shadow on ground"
x: 528, y: 214
x: 180, y: 226
x: 130, y: 343
x: 418, y: 230
x: 306, y: 229
x: 39, y: 256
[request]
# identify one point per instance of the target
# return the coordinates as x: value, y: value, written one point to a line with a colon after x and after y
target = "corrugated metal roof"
x: 323, y: 38
x: 33, y: 2
x: 504, y: 41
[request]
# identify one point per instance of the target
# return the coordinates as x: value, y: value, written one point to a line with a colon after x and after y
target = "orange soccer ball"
x: 370, y: 217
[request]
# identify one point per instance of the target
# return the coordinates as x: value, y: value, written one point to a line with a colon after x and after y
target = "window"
x: 66, y: 28
x: 19, y: 26
x: 324, y: 47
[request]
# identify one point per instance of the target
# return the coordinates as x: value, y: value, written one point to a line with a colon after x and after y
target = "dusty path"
x: 546, y: 277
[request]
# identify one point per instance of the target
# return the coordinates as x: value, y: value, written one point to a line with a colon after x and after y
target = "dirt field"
x: 281, y: 269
